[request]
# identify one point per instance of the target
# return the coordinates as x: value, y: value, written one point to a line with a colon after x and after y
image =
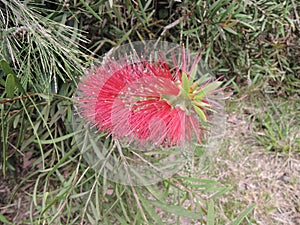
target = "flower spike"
x: 148, y: 101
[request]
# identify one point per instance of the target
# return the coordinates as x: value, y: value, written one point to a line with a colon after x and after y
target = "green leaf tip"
x: 200, y: 113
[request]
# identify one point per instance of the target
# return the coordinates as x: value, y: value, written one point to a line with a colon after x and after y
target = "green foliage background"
x: 44, y: 48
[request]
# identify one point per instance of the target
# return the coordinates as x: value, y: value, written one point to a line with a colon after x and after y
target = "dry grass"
x: 268, y: 179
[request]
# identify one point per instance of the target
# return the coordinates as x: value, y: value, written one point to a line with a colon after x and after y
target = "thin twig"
x: 17, y: 98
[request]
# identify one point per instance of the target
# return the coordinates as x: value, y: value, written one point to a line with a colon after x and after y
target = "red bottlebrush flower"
x: 146, y: 101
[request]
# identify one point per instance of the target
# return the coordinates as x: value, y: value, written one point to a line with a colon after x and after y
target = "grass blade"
x: 239, y: 219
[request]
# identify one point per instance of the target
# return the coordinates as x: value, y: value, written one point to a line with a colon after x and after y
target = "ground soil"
x: 271, y: 180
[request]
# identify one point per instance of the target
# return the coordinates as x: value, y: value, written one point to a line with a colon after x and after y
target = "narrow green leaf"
x: 62, y: 195
x: 85, y: 3
x: 200, y: 113
x: 207, y: 89
x: 198, y: 180
x: 228, y: 29
x: 122, y: 202
x: 142, y: 10
x: 178, y: 210
x: 120, y: 218
x: 239, y: 219
x: 210, y: 214
x: 62, y: 160
x: 193, y: 73
x: 202, y: 104
x: 229, y: 10
x: 5, y: 67
x: 155, y: 192
x: 247, y: 25
x: 220, y: 191
x: 59, y: 139
x: 149, y: 209
x: 90, y: 218
x: 10, y: 85
x: 185, y: 82
x: 215, y: 7
x: 4, y: 220
x: 124, y: 38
